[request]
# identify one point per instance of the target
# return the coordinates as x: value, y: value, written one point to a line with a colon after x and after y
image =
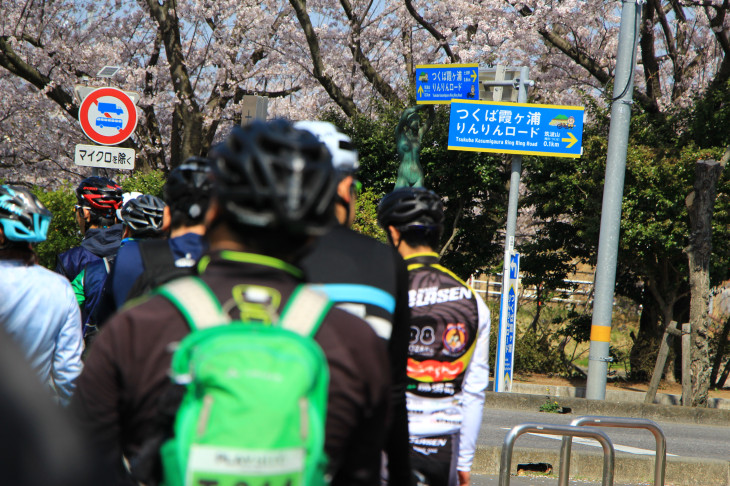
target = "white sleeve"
x: 69, y: 346
x: 475, y: 383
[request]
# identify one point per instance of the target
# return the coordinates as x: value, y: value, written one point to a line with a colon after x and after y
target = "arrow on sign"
x: 571, y: 139
x: 473, y: 75
x: 420, y: 91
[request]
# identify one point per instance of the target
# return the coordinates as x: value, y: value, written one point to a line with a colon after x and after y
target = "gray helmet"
x: 143, y: 215
x: 411, y: 206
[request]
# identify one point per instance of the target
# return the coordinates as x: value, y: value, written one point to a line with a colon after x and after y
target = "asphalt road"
x: 712, y: 442
x: 484, y: 480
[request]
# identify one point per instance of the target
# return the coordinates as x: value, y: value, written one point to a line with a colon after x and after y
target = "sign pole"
x: 618, y: 137
x: 503, y: 370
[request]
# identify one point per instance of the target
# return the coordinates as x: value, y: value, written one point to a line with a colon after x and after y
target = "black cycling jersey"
x: 369, y: 279
x: 444, y: 326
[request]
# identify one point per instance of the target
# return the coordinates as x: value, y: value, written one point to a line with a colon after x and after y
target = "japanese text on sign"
x: 106, y: 157
x: 517, y: 128
x: 440, y: 83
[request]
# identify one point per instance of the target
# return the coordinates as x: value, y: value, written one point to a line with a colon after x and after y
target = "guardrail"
x: 564, y: 430
x: 660, y: 463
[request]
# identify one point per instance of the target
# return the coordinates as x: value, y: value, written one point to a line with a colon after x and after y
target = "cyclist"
x: 187, y: 193
x: 142, y: 217
x: 448, y: 368
x: 343, y: 260
x: 98, y: 198
x: 37, y: 308
x: 269, y: 187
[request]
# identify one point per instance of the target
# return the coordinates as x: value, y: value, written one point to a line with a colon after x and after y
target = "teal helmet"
x: 22, y: 215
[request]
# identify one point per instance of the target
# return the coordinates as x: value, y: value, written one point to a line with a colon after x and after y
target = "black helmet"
x: 143, y: 214
x: 411, y: 206
x: 188, y: 187
x: 101, y: 195
x: 22, y: 216
x: 271, y: 175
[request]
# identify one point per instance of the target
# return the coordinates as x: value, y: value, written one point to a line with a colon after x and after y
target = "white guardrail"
x: 579, y: 292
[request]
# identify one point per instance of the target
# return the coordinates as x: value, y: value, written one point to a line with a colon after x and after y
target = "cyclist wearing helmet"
x: 272, y: 194
x: 142, y: 217
x: 150, y: 263
x: 342, y: 260
x: 37, y: 307
x: 448, y: 369
x: 98, y: 199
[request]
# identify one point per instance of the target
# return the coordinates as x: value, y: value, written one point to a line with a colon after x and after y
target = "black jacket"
x: 125, y: 375
x: 370, y: 279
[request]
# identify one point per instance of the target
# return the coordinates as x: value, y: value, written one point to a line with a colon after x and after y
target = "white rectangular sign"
x: 104, y: 156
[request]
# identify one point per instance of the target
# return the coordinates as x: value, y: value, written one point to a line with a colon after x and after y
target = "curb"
x: 611, y: 395
x: 629, y: 468
x: 582, y: 406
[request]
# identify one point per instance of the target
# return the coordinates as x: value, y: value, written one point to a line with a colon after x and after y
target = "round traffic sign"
x: 108, y: 116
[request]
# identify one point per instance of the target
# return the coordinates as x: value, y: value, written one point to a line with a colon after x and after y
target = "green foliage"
x: 150, y: 182
x: 63, y: 232
x: 366, y: 216
x: 551, y: 406
x: 538, y: 353
x: 473, y: 185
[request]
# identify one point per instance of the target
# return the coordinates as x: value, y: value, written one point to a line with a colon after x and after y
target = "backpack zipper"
x: 204, y: 414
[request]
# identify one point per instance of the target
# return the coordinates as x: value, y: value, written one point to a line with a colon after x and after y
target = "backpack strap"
x: 196, y: 301
x: 156, y: 255
x: 305, y: 311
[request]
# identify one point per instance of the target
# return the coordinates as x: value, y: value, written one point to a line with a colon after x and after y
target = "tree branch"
x: 334, y: 91
x: 455, y: 227
x: 381, y: 86
x: 10, y: 60
x: 443, y: 43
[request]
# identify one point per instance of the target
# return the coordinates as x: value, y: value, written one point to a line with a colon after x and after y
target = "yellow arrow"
x: 420, y: 91
x: 473, y: 75
x: 571, y: 138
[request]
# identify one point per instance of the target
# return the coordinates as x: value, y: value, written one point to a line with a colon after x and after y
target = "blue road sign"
x: 516, y: 128
x: 440, y: 83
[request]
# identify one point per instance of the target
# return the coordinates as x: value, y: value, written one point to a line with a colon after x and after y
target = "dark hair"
x: 415, y: 236
x: 18, y: 250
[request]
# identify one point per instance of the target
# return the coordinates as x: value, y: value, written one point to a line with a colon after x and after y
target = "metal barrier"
x: 660, y: 462
x: 565, y: 431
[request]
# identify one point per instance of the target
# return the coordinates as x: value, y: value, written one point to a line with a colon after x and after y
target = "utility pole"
x: 613, y: 189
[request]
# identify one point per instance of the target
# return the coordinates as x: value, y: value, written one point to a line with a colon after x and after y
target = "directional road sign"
x: 108, y: 116
x: 106, y: 157
x: 516, y: 128
x: 507, y: 328
x: 440, y: 83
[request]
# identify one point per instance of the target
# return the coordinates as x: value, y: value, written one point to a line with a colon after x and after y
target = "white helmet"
x: 344, y: 155
x: 126, y: 197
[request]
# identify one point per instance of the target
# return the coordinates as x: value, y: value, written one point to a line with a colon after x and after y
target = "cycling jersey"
x: 97, y: 243
x: 39, y: 311
x: 369, y: 279
x: 126, y: 374
x: 448, y: 368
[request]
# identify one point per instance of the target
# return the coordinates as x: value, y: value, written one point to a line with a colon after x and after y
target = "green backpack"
x: 254, y: 409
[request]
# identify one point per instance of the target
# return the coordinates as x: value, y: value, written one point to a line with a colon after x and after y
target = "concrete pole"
x: 613, y: 189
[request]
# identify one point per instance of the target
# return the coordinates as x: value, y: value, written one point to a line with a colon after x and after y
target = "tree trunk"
x: 720, y: 354
x: 700, y: 205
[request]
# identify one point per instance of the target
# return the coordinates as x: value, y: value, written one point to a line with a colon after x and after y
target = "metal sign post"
x: 254, y: 108
x: 514, y: 190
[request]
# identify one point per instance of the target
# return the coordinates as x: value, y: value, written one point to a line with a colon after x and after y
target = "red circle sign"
x: 108, y: 116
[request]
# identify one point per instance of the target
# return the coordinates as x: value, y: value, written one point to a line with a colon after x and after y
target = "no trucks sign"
x: 108, y: 116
